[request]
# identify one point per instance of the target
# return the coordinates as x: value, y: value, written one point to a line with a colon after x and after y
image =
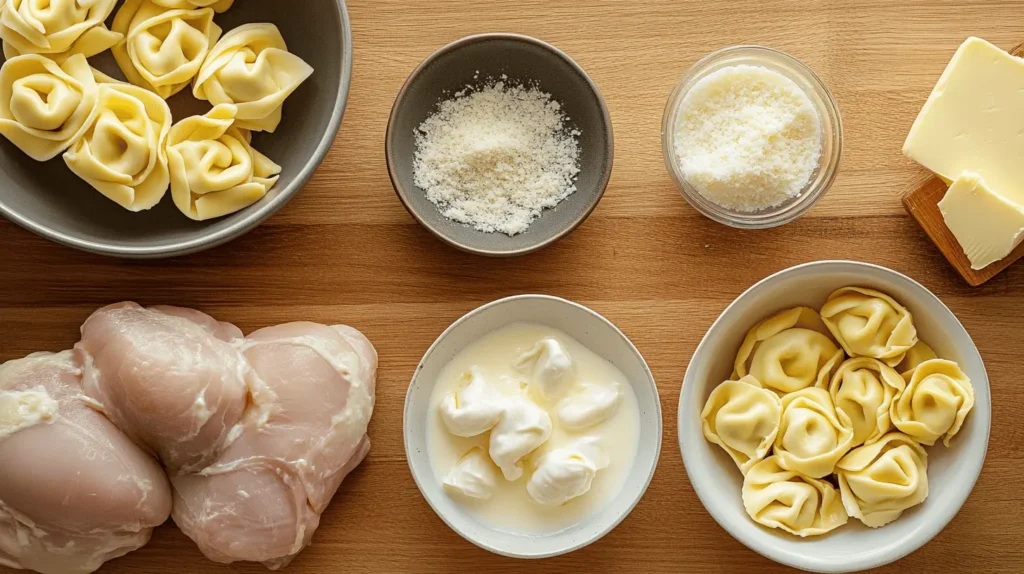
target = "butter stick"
x: 974, y: 120
x: 987, y: 226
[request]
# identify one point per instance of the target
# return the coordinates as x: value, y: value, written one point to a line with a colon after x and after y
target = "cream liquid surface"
x: 511, y: 509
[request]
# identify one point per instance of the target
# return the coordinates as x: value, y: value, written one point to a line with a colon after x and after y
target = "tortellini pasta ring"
x: 56, y: 28
x: 881, y: 480
x: 743, y: 418
x: 780, y: 498
x: 788, y: 351
x: 122, y: 151
x: 935, y: 402
x: 868, y: 323
x: 251, y: 68
x: 163, y: 49
x: 812, y: 436
x: 214, y: 170
x: 43, y: 106
x: 917, y: 354
x: 862, y: 390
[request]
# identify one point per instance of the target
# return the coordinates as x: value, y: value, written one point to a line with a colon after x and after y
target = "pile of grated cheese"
x: 747, y: 138
x: 495, y: 156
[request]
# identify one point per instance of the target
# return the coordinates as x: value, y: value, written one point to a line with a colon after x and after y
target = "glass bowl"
x: 831, y: 135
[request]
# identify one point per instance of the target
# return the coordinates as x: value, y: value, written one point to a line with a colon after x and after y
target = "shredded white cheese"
x: 496, y: 156
x: 747, y: 138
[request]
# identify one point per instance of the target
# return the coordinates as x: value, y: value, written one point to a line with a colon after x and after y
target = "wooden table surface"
x: 346, y: 251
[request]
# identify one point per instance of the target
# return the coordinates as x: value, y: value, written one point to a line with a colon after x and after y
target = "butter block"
x: 987, y: 226
x: 974, y: 120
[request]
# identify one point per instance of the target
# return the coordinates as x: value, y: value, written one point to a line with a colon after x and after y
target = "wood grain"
x: 922, y: 204
x: 346, y: 251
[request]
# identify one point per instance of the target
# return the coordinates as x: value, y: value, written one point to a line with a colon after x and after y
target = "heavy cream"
x: 531, y: 431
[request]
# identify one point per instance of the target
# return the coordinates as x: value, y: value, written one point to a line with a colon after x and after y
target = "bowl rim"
x: 252, y: 218
x: 809, y: 563
x: 401, y: 191
x: 659, y: 429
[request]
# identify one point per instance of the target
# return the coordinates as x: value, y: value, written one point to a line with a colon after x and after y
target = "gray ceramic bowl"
x: 527, y: 60
x: 51, y: 201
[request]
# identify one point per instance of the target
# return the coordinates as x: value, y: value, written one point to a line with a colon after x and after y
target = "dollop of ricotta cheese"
x: 568, y: 472
x: 474, y: 476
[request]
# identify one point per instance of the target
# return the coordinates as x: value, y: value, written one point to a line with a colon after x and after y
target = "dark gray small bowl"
x: 51, y: 201
x: 527, y: 60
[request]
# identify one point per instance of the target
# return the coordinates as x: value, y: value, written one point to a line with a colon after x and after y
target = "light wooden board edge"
x: 922, y: 204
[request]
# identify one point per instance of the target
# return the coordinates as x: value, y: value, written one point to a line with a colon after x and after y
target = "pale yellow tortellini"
x: 44, y: 106
x: 786, y: 499
x: 56, y: 28
x: 742, y: 417
x: 935, y: 402
x: 217, y: 5
x: 163, y: 49
x: 868, y: 323
x: 251, y: 68
x: 812, y: 437
x: 214, y: 169
x: 862, y: 390
x: 879, y: 481
x: 122, y: 151
x: 917, y: 354
x: 788, y: 351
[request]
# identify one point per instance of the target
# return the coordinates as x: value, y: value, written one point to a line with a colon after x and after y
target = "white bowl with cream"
x: 526, y: 531
x: 952, y: 471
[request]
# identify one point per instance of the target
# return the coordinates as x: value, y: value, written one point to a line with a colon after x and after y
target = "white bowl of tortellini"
x: 835, y: 417
x: 148, y: 128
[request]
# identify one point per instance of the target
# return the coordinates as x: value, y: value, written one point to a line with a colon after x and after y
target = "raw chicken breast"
x: 304, y: 431
x: 256, y: 435
x: 171, y: 378
x: 74, y: 490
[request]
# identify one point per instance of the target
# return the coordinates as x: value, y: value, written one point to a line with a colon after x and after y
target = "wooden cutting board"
x: 923, y: 205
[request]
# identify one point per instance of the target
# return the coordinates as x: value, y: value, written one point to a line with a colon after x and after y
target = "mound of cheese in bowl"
x: 827, y: 413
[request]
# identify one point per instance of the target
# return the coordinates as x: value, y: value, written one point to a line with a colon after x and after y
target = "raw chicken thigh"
x: 168, y: 377
x: 305, y: 431
x: 74, y: 490
x: 255, y: 433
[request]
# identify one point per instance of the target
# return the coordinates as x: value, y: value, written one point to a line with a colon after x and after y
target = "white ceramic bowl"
x: 952, y: 471
x: 601, y: 337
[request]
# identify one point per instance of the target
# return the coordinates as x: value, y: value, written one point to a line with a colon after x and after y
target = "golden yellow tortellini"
x: 788, y: 351
x: 217, y: 5
x: 862, y: 390
x: 214, y: 170
x: 879, y: 481
x: 56, y: 28
x: 251, y: 68
x: 786, y: 499
x: 856, y: 414
x: 868, y: 323
x: 43, y: 105
x: 163, y: 48
x: 917, y: 354
x: 743, y: 418
x: 934, y: 403
x: 812, y: 437
x: 122, y: 151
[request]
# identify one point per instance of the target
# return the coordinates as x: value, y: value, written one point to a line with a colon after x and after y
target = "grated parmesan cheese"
x: 747, y: 138
x: 496, y: 156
